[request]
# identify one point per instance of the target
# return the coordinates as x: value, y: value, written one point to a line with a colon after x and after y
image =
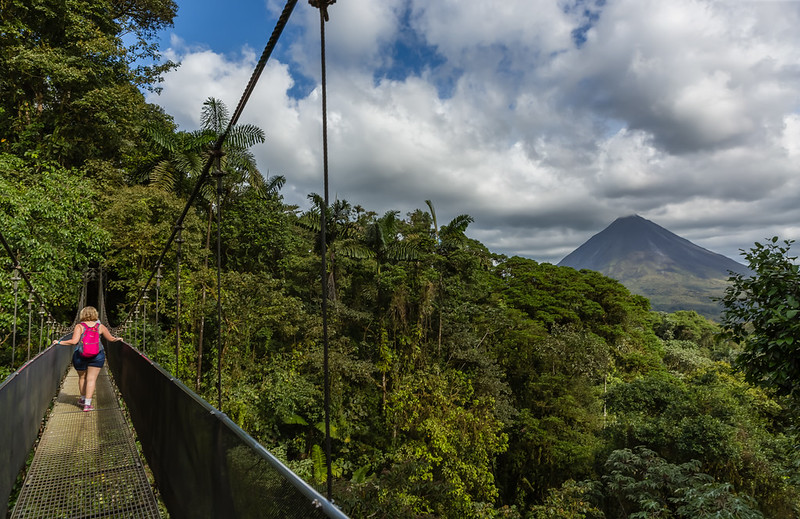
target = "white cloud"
x: 521, y: 28
x: 355, y: 35
x: 684, y: 112
x: 791, y: 135
x: 694, y: 74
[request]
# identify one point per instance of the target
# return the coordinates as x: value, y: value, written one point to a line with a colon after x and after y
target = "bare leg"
x: 82, y: 382
x: 91, y: 380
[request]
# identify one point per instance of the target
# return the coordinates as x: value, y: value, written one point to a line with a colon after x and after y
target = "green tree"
x: 446, y: 436
x: 571, y: 501
x: 644, y: 486
x: 384, y: 243
x: 714, y: 416
x: 141, y: 220
x: 342, y: 231
x: 67, y: 92
x: 760, y: 312
x: 47, y: 216
x: 449, y: 238
x: 188, y: 155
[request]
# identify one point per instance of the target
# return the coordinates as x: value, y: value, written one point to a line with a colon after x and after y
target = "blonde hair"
x: 89, y: 313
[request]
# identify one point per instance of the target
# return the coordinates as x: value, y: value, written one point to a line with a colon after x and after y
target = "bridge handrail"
x: 24, y: 399
x: 203, y: 463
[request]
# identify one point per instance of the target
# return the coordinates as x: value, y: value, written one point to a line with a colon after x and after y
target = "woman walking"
x: 89, y: 355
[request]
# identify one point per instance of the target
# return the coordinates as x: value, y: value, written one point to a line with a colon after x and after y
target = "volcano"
x: 672, y: 272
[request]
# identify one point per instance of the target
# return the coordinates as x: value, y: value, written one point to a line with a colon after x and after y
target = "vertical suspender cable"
x: 145, y: 298
x: 41, y: 326
x: 323, y: 17
x: 19, y: 272
x: 51, y: 323
x: 30, y: 322
x: 82, y: 300
x: 158, y: 288
x: 219, y: 175
x: 178, y: 242
x: 265, y: 55
x: 101, y: 299
x: 15, y: 285
x: 262, y: 62
x: 136, y: 327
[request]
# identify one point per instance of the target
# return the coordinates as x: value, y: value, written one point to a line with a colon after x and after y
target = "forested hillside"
x: 464, y: 383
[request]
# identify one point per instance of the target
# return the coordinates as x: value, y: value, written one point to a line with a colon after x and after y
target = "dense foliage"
x: 761, y: 312
x: 464, y: 383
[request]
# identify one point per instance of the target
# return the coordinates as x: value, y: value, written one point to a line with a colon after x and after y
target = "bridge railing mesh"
x: 24, y: 399
x: 205, y: 466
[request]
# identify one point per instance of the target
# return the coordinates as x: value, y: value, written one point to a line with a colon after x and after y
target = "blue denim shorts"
x: 81, y: 363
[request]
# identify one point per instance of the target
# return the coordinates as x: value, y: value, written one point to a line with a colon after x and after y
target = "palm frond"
x: 208, y: 190
x: 243, y: 136
x: 165, y: 176
x: 355, y: 250
x: 458, y: 224
x: 164, y: 139
x: 402, y: 251
x: 316, y: 199
x: 452, y: 235
x: 197, y: 141
x: 274, y: 184
x: 214, y: 116
x: 253, y: 176
x: 433, y: 216
x: 310, y: 220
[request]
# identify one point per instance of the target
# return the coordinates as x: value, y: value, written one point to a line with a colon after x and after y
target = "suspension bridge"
x: 151, y: 446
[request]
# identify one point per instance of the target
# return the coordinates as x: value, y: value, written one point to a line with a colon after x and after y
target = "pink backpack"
x: 90, y: 340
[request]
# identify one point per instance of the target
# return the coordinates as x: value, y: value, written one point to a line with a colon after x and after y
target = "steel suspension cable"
x: 30, y: 321
x: 145, y: 298
x: 15, y: 281
x: 323, y: 17
x: 219, y: 175
x: 14, y: 260
x: 101, y: 298
x: 82, y: 298
x: 262, y: 62
x: 31, y: 291
x: 41, y: 326
x: 179, y: 241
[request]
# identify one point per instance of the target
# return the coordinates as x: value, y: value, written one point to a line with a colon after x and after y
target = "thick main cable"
x: 262, y: 62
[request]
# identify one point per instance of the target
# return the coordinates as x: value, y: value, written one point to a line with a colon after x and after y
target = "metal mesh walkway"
x: 86, y: 464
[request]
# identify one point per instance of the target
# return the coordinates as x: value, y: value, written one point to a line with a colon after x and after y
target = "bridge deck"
x: 86, y: 464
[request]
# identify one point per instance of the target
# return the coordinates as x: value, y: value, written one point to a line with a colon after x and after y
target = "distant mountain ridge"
x: 674, y: 273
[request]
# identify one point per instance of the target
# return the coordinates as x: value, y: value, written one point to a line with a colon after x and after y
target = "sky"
x: 544, y: 120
